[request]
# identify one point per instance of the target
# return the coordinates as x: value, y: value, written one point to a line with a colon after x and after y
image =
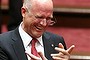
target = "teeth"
x: 39, y: 28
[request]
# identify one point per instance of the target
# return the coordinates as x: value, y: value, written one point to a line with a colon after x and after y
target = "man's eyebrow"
x: 39, y: 15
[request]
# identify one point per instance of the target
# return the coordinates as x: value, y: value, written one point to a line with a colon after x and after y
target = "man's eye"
x: 39, y: 17
x: 48, y: 18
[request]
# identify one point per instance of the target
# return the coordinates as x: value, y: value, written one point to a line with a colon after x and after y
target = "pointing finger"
x: 69, y: 50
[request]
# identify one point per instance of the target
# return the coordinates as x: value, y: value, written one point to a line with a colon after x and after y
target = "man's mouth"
x: 38, y: 28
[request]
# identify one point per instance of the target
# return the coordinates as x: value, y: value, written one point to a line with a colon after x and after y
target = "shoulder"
x: 52, y: 35
x: 5, y: 38
x: 56, y: 39
x: 6, y: 35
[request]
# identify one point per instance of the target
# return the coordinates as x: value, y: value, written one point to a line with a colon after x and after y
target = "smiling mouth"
x: 38, y: 28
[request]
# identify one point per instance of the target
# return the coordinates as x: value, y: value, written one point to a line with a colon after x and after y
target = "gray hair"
x: 27, y: 4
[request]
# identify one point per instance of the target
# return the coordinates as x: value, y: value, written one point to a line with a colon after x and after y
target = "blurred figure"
x: 15, y: 14
x: 0, y: 20
x: 0, y: 17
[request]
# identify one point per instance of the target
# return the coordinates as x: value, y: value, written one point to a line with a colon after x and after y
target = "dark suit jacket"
x: 11, y: 46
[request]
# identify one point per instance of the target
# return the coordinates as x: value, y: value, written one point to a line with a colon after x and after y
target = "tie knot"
x: 34, y: 41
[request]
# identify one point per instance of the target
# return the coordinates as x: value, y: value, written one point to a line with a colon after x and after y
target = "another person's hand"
x: 63, y: 54
x: 33, y: 57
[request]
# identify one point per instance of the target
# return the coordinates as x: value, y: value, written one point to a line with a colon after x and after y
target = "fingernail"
x: 73, y: 45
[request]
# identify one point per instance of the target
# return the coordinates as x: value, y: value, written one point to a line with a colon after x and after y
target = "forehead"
x: 42, y: 7
x: 41, y: 12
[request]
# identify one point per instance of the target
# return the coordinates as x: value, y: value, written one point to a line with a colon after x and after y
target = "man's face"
x: 36, y: 20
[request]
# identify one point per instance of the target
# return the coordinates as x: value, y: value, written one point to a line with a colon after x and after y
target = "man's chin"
x: 39, y: 35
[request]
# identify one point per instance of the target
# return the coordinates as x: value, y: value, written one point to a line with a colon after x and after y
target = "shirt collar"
x: 27, y: 38
x: 40, y: 40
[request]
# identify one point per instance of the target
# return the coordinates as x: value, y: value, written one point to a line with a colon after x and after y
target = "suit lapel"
x: 18, y: 46
x: 48, y: 46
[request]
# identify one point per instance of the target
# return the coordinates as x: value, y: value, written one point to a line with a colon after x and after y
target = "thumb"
x: 61, y: 46
x: 42, y: 56
x: 69, y: 50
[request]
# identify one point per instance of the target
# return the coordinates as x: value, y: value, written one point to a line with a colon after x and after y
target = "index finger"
x: 69, y: 50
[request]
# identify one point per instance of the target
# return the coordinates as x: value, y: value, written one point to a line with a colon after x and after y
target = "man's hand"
x: 33, y: 57
x: 63, y: 54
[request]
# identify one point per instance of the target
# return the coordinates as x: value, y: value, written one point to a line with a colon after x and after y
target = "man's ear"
x: 23, y: 11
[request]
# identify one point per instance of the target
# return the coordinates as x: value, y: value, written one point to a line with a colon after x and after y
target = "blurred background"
x: 73, y: 23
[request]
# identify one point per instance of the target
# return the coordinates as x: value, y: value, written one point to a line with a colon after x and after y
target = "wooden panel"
x: 4, y: 4
x: 72, y: 3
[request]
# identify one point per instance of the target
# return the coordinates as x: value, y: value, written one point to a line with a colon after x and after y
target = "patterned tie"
x: 33, y: 49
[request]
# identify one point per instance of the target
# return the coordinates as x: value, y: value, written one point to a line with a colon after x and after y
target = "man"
x: 14, y: 13
x: 17, y: 44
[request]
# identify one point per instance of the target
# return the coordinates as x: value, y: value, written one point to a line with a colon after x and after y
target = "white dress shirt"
x: 26, y: 38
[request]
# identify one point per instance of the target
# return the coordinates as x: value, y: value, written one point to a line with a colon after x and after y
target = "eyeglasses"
x: 49, y: 20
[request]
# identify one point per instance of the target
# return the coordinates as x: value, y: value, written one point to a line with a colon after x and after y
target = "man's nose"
x: 43, y: 22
